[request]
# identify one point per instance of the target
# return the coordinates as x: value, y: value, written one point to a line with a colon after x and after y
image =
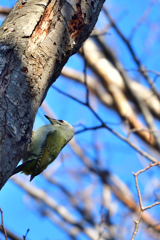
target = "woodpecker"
x: 45, y: 145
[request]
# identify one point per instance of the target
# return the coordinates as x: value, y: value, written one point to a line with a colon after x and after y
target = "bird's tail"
x: 21, y: 167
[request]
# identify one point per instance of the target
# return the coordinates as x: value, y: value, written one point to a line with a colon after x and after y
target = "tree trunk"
x: 36, y: 40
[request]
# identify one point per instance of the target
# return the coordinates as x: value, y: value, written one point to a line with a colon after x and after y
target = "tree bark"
x: 36, y: 40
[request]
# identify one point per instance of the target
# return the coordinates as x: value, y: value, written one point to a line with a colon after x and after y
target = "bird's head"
x: 64, y: 126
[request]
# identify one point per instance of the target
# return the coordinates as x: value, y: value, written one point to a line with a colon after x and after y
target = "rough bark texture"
x: 36, y: 40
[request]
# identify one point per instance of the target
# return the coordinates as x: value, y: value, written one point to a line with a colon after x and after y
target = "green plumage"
x: 45, y: 145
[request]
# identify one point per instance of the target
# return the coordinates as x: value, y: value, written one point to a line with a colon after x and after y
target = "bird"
x: 45, y: 145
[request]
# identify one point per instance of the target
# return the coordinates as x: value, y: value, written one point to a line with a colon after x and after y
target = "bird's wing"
x: 41, y: 162
x: 38, y: 138
x: 54, y: 144
x: 39, y: 159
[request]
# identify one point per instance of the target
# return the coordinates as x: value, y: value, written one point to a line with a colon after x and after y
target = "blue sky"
x: 20, y: 211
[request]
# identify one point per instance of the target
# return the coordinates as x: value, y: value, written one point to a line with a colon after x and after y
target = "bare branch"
x: 142, y: 69
x: 142, y: 209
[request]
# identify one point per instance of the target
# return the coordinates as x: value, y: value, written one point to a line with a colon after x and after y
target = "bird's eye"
x: 61, y: 121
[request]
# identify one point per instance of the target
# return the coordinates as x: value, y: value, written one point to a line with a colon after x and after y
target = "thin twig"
x: 141, y: 20
x: 85, y: 77
x: 2, y: 224
x: 140, y: 198
x: 137, y: 225
x: 24, y: 236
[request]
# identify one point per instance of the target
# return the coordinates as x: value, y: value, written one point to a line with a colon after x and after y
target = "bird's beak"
x: 47, y: 117
x: 52, y: 120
